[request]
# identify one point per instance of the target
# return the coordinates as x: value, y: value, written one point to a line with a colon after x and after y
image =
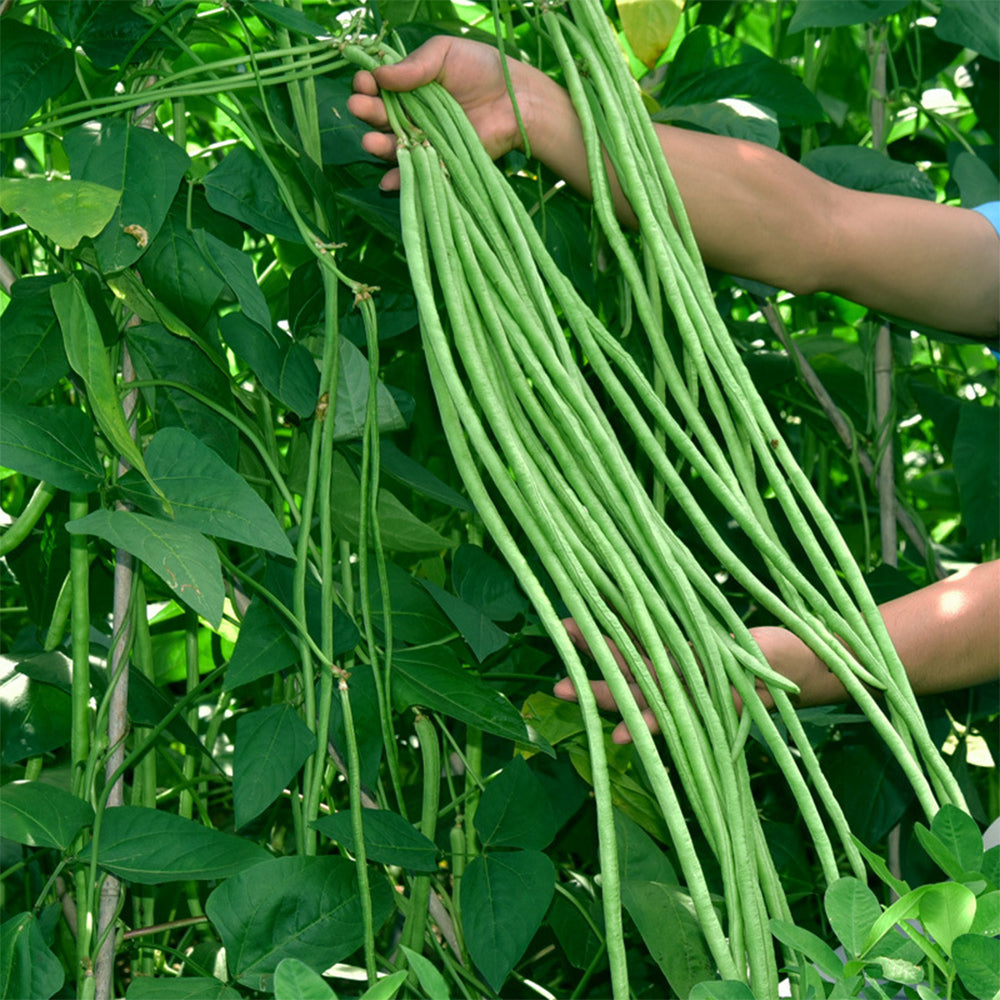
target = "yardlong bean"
x: 525, y: 420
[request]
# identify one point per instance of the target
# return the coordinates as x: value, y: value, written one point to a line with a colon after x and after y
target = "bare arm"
x: 947, y: 636
x: 754, y: 211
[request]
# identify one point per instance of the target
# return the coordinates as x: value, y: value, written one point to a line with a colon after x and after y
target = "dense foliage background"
x: 164, y: 166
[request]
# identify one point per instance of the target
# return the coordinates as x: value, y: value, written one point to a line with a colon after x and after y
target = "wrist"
x: 541, y: 103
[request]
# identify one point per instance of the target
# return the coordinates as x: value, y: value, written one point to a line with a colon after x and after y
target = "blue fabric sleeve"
x: 991, y: 211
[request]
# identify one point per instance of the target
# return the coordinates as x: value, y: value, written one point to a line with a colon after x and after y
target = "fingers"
x: 622, y: 735
x: 380, y: 144
x: 576, y: 637
x: 369, y: 108
x: 364, y: 83
x: 602, y: 695
x: 421, y: 66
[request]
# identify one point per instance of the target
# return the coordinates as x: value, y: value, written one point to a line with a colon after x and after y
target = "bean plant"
x: 300, y: 478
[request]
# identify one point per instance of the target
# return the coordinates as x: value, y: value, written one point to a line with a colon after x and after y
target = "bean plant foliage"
x: 276, y: 713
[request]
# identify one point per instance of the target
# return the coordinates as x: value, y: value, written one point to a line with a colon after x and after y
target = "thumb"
x: 421, y: 66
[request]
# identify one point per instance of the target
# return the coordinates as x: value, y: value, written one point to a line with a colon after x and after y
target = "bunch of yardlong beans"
x: 532, y: 440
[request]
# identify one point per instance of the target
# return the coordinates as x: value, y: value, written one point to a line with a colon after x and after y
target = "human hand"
x: 470, y: 71
x: 782, y: 649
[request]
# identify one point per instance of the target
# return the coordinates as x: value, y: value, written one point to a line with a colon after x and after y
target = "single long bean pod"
x: 430, y: 756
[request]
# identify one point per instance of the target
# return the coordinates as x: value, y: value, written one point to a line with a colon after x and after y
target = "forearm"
x: 947, y: 636
x: 761, y: 215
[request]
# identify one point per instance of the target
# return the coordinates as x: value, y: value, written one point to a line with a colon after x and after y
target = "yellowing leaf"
x: 649, y: 25
x: 63, y: 210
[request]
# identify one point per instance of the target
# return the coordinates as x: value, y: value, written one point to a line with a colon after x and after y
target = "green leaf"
x: 374, y: 209
x: 977, y: 184
x: 204, y: 493
x: 432, y: 984
x: 141, y: 163
x: 866, y: 170
x: 960, y: 835
x: 88, y: 357
x: 726, y: 989
x: 294, y: 980
x: 159, y: 354
x: 292, y: 907
x: 147, y: 705
x: 287, y: 17
x: 730, y: 116
x: 339, y: 131
x: 365, y: 720
x: 433, y: 678
x: 387, y: 988
x: 881, y: 869
x: 514, y: 810
x: 902, y: 909
x: 34, y: 66
x: 271, y: 745
x: 486, y: 584
x: 186, y: 988
x: 286, y: 369
x: 42, y: 815
x: 27, y: 966
x: 106, y: 32
x: 352, y: 398
x: 184, y: 559
x: 389, y: 839
x: 990, y: 867
x: 814, y: 948
x: 416, y: 618
x: 480, y: 634
x: 976, y: 459
x: 665, y: 917
x: 710, y: 65
x: 504, y: 897
x: 149, y: 847
x: 34, y: 717
x: 236, y: 269
x: 241, y: 186
x: 938, y: 853
x: 263, y: 647
x: 31, y: 342
x: 640, y: 858
x: 838, y: 13
x: 552, y: 718
x: 852, y: 909
x: 64, y: 210
x: 579, y: 938
x: 405, y: 470
x: 54, y: 443
x: 870, y: 816
x: 947, y: 911
x: 977, y: 959
x: 401, y: 530
x: 278, y: 580
x: 176, y: 271
x: 972, y: 24
x: 898, y: 970
x: 987, y: 920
